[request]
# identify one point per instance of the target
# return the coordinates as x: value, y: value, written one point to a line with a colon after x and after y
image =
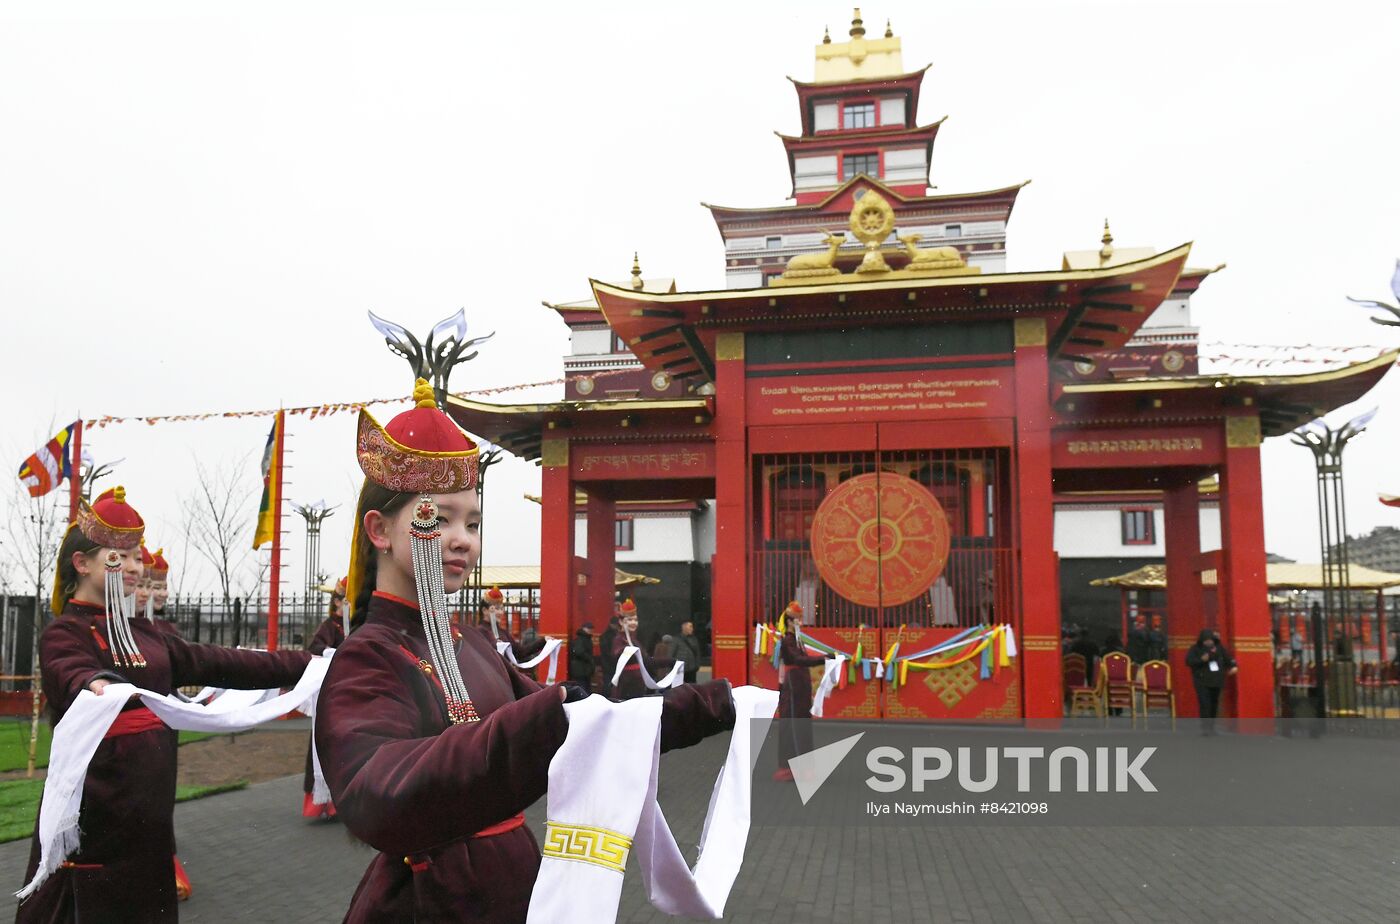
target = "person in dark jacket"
x: 581, y: 657
x: 605, y: 651
x: 794, y: 694
x: 1210, y: 664
x: 1087, y: 650
x: 687, y: 646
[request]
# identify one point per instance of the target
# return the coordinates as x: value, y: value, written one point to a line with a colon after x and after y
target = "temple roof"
x: 1278, y: 575
x: 527, y: 577
x: 519, y: 428
x: 1102, y: 308
x: 814, y: 207
x: 1285, y: 402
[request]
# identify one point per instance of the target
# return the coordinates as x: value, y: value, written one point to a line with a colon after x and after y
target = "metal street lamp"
x: 314, y: 515
x: 1327, y: 445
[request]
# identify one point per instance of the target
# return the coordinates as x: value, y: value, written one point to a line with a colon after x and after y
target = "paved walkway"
x: 252, y: 858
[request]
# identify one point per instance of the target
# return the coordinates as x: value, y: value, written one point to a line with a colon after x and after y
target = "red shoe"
x: 183, y: 889
x: 784, y: 775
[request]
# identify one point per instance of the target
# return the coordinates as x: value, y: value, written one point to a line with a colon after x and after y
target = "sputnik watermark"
x: 1112, y: 767
x: 979, y: 770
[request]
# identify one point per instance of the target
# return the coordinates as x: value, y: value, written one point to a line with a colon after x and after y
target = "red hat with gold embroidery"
x: 160, y: 568
x: 494, y: 596
x: 795, y: 608
x: 628, y: 607
x: 112, y: 524
x: 110, y: 521
x: 147, y: 559
x: 422, y: 451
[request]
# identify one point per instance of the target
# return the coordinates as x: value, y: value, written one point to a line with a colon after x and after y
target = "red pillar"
x: 602, y: 560
x: 1185, y: 595
x: 1243, y: 588
x: 1039, y: 628
x: 731, y: 619
x: 557, y: 581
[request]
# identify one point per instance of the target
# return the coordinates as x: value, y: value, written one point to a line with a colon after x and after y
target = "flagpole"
x: 275, y: 581
x: 75, y: 480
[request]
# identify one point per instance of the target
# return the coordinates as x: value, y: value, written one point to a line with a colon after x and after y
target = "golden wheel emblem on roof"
x: 872, y: 222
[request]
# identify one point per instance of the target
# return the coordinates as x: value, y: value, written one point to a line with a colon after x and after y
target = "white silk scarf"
x: 602, y: 806
x: 550, y: 651
x: 76, y: 737
x: 674, y: 679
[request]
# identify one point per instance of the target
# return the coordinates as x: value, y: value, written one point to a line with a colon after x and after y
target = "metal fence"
x: 235, y: 622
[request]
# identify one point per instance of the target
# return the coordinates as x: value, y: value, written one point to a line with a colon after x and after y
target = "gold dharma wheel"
x: 872, y: 219
x: 880, y: 539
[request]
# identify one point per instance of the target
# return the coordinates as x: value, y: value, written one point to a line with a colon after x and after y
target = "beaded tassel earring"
x: 119, y: 608
x: 425, y: 543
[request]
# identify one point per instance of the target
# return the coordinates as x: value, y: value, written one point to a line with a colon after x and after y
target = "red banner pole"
x: 275, y: 582
x: 75, y: 479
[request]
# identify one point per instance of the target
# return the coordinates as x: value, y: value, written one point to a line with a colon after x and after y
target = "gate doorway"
x: 906, y: 547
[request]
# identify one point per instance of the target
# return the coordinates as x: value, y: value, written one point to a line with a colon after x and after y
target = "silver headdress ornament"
x: 120, y: 609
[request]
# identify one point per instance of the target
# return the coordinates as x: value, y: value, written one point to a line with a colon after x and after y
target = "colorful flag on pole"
x: 43, y: 470
x: 266, y: 521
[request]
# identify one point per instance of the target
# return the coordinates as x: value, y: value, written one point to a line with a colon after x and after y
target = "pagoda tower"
x: 860, y: 131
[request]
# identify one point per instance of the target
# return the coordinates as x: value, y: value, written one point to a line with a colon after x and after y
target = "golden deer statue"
x: 817, y: 264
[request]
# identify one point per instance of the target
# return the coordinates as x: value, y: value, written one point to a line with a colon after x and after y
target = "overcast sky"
x: 199, y: 201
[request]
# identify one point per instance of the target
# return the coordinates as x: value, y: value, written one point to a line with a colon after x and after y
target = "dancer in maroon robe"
x: 496, y: 626
x: 329, y: 634
x: 794, y: 694
x: 121, y: 871
x: 157, y: 577
x: 160, y: 594
x: 433, y: 750
x: 631, y: 685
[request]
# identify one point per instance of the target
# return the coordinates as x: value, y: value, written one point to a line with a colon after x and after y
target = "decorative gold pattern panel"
x: 952, y: 684
x: 1030, y: 332
x: 729, y: 345
x: 554, y: 453
x: 1242, y: 432
x: 586, y: 844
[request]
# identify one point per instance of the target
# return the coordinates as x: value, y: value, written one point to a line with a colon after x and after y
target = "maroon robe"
x: 165, y: 625
x: 631, y: 685
x: 795, y: 699
x: 522, y: 651
x: 418, y: 789
x: 329, y: 634
x: 122, y: 870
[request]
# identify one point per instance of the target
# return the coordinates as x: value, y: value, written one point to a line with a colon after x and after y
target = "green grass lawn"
x: 19, y: 801
x: 14, y: 743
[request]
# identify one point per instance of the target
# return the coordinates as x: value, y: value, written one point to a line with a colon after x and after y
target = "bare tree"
x: 219, y: 518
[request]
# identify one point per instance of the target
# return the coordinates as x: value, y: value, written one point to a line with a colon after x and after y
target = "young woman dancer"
x: 433, y: 747
x: 122, y: 870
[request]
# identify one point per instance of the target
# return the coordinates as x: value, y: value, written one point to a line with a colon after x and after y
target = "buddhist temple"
x: 880, y: 421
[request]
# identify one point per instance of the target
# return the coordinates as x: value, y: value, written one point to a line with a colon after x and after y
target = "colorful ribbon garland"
x: 996, y: 644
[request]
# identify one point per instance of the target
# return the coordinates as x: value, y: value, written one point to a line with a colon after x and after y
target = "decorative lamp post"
x: 314, y: 515
x: 1327, y: 445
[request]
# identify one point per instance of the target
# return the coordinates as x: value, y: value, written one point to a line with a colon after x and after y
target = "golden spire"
x: 826, y: 35
x: 1106, y: 251
x: 857, y: 25
x: 889, y: 32
x: 636, y: 272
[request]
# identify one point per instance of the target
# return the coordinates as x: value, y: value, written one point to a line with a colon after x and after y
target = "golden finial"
x: 1106, y: 250
x: 636, y: 272
x: 119, y: 494
x: 826, y: 35
x: 423, y: 394
x: 857, y: 25
x: 889, y: 32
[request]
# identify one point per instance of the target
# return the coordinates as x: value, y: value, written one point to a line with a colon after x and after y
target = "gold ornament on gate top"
x: 880, y: 539
x: 872, y: 222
